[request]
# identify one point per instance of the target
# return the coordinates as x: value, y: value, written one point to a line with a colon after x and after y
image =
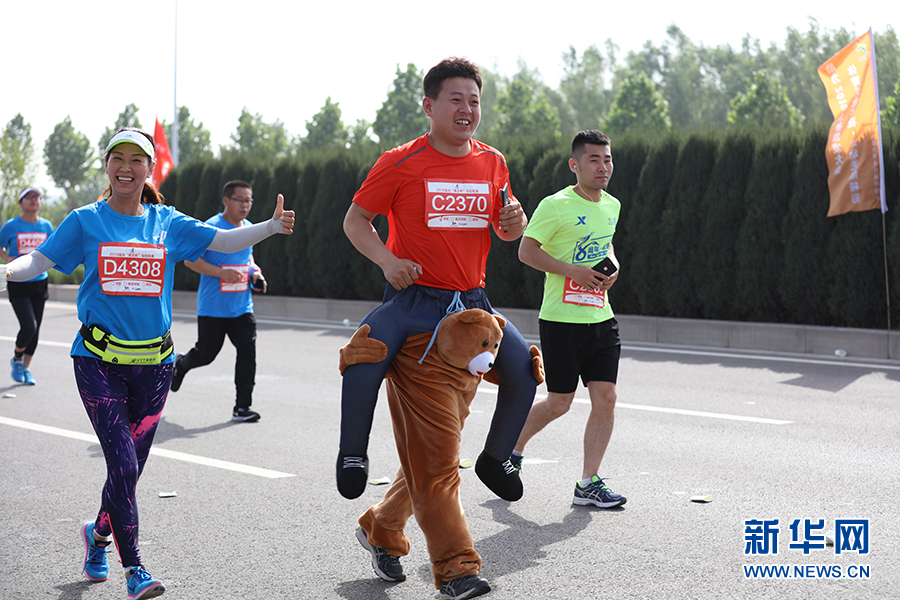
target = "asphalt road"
x: 257, y: 514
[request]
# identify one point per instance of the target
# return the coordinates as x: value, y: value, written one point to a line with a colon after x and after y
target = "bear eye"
x: 496, y: 345
x: 484, y: 344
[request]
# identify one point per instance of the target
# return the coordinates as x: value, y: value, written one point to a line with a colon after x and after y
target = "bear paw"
x: 500, y: 477
x: 352, y: 474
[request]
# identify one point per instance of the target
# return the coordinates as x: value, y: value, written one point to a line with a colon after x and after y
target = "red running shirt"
x: 440, y: 208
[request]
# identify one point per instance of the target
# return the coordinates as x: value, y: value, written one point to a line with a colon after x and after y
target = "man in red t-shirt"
x: 442, y: 194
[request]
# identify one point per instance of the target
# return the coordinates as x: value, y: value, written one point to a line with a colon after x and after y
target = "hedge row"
x: 717, y: 225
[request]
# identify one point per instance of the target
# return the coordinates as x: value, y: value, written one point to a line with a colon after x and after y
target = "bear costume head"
x: 470, y: 340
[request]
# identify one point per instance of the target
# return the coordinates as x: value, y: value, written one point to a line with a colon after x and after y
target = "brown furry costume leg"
x: 427, y: 424
x: 429, y: 404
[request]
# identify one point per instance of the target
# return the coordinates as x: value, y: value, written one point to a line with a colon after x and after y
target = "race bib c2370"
x: 457, y: 205
x: 131, y: 269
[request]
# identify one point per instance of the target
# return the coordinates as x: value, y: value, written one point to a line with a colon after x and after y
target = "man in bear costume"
x: 442, y: 193
x: 430, y: 385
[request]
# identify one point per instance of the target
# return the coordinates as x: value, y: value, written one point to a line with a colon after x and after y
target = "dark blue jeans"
x: 418, y: 309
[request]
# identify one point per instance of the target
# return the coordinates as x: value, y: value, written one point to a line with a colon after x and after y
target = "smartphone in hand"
x: 605, y: 267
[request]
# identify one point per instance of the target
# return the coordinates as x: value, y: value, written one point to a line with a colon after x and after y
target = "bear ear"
x: 472, y: 315
x: 500, y: 321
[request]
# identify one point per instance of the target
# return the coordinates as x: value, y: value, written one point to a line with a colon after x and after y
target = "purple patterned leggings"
x: 124, y: 404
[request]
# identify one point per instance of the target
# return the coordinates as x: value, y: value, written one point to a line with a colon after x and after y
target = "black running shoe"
x: 244, y: 415
x: 502, y: 478
x: 352, y: 475
x: 178, y: 374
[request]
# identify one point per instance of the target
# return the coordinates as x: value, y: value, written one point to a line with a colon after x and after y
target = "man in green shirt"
x: 568, y: 235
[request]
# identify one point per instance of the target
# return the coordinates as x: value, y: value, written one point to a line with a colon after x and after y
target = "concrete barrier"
x: 764, y: 337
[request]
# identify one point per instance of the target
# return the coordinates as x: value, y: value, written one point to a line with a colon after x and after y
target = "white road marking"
x: 694, y: 413
x: 492, y: 389
x: 182, y: 456
x: 42, y: 342
x: 786, y: 359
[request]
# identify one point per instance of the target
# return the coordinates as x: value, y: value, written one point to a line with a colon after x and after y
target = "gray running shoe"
x: 386, y: 566
x: 464, y: 587
x: 597, y: 494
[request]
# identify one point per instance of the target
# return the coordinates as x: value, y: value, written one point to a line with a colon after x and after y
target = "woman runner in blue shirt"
x: 128, y: 243
x: 19, y: 236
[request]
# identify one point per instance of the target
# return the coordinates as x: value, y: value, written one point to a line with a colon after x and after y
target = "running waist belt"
x: 113, y: 350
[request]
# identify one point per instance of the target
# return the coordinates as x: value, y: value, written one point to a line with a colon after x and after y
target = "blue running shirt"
x: 129, y: 263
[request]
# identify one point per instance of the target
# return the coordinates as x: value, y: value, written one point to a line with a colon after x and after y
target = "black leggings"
x: 27, y: 299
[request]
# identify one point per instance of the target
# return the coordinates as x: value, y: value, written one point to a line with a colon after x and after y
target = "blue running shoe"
x: 18, y: 370
x: 29, y: 378
x: 597, y: 494
x: 95, y: 566
x: 142, y: 584
x: 516, y: 461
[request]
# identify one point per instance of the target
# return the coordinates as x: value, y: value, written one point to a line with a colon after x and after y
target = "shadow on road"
x: 831, y: 377
x: 529, y: 539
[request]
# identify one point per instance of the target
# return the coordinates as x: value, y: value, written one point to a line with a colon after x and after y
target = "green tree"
x: 401, y: 117
x: 524, y: 107
x: 69, y: 156
x: 765, y: 103
x: 334, y: 265
x: 325, y: 129
x: 16, y: 168
x: 759, y: 247
x: 891, y: 114
x: 638, y: 107
x: 489, y: 90
x: 257, y: 139
x: 193, y: 138
x: 681, y: 224
x: 127, y: 118
x: 887, y: 54
x: 360, y: 135
x: 649, y: 270
x: 699, y: 82
x: 796, y: 66
x: 724, y: 210
x: 584, y: 87
x: 807, y: 274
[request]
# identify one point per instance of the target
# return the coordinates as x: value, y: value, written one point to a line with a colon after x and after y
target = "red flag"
x: 164, y: 161
x: 854, y: 152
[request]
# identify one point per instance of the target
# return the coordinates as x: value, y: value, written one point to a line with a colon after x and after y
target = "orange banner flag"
x: 854, y: 153
x: 164, y: 162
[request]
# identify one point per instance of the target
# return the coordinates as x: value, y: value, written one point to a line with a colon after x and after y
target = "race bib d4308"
x: 459, y: 205
x: 131, y: 269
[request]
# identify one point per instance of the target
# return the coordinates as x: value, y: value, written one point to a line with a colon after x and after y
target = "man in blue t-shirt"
x: 225, y: 304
